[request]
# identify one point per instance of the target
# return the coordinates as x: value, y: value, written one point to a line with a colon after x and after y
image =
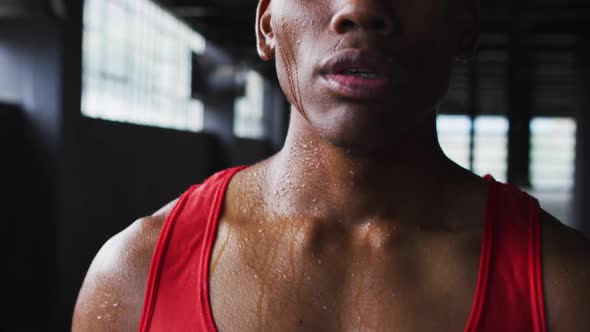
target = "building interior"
x: 112, y: 108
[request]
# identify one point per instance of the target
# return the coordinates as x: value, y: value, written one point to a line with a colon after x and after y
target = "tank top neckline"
x: 484, y: 260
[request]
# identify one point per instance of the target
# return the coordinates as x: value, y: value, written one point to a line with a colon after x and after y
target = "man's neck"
x: 313, y: 178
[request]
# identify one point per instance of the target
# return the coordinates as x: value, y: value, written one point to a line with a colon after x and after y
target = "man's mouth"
x: 357, y: 74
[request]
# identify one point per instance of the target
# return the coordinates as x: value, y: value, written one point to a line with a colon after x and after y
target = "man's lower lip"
x: 355, y: 86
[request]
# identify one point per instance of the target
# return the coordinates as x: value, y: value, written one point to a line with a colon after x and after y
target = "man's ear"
x: 469, y: 35
x: 265, y: 38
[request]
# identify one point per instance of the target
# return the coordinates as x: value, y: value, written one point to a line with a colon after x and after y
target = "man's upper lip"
x: 355, y: 59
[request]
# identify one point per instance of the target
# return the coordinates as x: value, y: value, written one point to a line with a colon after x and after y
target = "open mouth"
x: 362, y: 73
x: 357, y: 74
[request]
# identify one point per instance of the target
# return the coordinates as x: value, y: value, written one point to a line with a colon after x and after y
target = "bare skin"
x: 360, y: 222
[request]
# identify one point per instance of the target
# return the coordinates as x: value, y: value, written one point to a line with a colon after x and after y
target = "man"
x: 360, y: 222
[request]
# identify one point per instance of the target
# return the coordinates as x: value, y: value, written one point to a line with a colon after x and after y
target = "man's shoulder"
x: 111, y: 297
x: 566, y: 270
x: 139, y: 239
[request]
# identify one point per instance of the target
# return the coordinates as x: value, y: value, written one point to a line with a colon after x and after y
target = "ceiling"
x: 229, y: 24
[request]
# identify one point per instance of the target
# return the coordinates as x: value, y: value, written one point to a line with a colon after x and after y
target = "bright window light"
x: 137, y: 61
x: 491, y: 146
x: 553, y: 150
x: 453, y: 136
x: 490, y: 142
x: 249, y: 108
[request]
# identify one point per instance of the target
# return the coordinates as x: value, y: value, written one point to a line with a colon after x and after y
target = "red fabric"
x: 177, y: 293
x: 509, y: 292
x: 509, y: 295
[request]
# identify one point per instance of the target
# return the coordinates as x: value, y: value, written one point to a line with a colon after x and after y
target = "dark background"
x: 71, y: 182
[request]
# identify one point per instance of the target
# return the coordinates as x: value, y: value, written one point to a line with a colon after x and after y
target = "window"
x: 480, y: 85
x: 490, y: 143
x: 137, y: 65
x: 552, y: 167
x: 453, y: 136
x: 553, y: 145
x: 491, y: 146
x: 249, y: 108
x: 11, y: 79
x: 557, y: 91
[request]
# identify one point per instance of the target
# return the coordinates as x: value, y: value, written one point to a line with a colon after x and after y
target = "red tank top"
x: 509, y: 291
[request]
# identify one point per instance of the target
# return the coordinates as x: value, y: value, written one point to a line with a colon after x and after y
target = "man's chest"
x: 299, y: 280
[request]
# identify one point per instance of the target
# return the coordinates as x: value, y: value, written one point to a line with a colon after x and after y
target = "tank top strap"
x: 510, y: 284
x: 177, y: 293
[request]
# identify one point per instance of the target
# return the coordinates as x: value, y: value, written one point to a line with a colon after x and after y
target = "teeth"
x: 363, y: 74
